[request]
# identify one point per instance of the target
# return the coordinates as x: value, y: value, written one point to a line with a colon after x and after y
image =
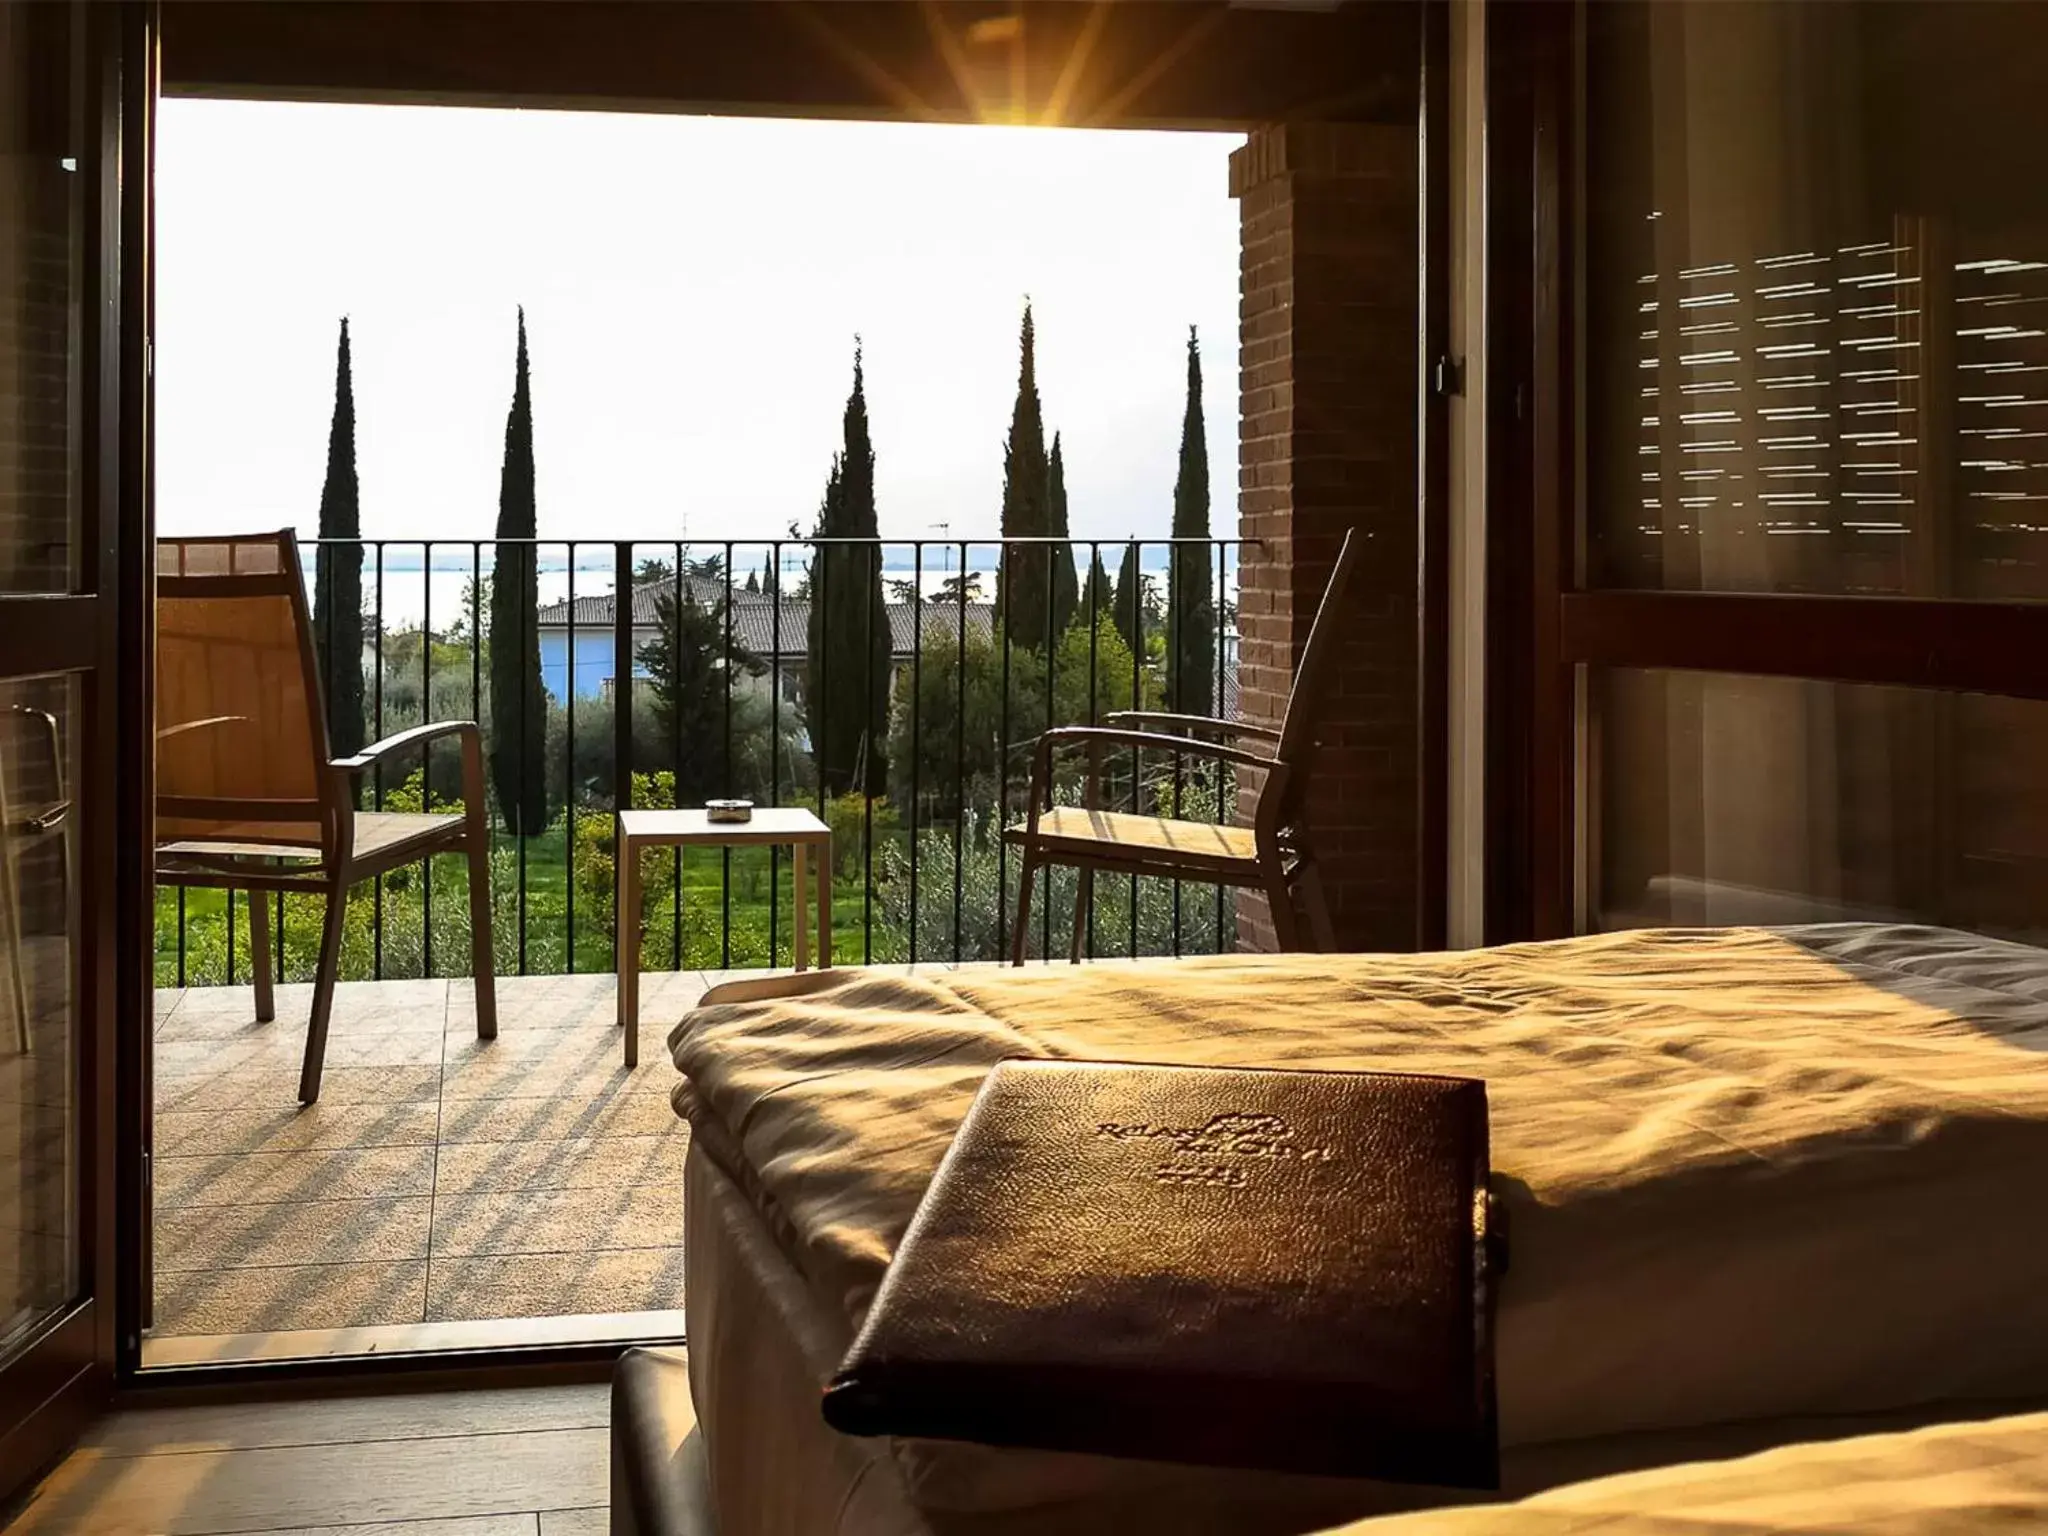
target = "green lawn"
x: 542, y: 918
x: 724, y: 915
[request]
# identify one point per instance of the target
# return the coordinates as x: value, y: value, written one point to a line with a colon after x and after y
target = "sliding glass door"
x: 1783, y: 274
x: 68, y: 521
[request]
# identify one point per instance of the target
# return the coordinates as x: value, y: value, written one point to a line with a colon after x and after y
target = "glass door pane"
x: 43, y: 145
x: 42, y: 205
x: 75, y: 87
x: 39, y: 1045
x: 1816, y: 321
x: 1720, y: 798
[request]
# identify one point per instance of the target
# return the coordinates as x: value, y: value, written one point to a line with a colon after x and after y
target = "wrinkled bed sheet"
x: 1750, y: 1173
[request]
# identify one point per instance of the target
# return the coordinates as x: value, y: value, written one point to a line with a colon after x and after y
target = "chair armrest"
x: 1083, y: 735
x: 1087, y: 735
x: 417, y: 736
x: 1206, y: 723
x: 1074, y: 735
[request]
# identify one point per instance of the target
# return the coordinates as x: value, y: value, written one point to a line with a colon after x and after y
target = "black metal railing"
x: 903, y: 711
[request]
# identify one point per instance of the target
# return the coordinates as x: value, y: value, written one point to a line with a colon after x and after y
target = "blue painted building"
x: 583, y: 642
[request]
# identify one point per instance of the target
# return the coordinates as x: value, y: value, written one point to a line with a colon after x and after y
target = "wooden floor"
x: 531, y: 1461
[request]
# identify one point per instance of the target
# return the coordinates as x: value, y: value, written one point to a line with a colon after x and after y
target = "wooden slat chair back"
x: 241, y: 741
x: 1271, y: 854
x: 1296, y: 742
x: 248, y: 795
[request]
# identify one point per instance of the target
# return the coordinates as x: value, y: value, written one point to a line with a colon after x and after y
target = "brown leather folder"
x: 1275, y: 1269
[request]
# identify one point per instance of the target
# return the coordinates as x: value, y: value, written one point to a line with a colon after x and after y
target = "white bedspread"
x: 1750, y: 1173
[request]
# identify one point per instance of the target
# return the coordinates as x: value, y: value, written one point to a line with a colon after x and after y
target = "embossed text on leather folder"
x: 1227, y: 1149
x: 1272, y: 1269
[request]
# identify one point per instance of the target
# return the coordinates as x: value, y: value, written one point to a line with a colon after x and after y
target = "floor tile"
x: 570, y: 1002
x: 567, y: 1221
x: 291, y: 1126
x: 194, y: 1024
x: 554, y: 1284
x: 365, y: 1002
x: 545, y: 999
x: 591, y: 1162
x: 552, y: 1063
x: 277, y: 1086
x: 286, y: 1050
x: 542, y: 1119
x: 306, y: 1232
x: 527, y: 1175
x: 167, y: 1000
x: 284, y: 1297
x: 243, y: 1178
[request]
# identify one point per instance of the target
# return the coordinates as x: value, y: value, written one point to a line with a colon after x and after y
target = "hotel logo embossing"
x: 1224, y: 1152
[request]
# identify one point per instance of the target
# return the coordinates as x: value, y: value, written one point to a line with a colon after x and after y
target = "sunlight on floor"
x: 440, y: 1177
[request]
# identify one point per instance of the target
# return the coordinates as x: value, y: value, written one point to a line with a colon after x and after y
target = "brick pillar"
x: 1327, y: 440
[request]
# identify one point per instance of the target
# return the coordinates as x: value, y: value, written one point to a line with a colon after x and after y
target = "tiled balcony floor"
x: 440, y: 1178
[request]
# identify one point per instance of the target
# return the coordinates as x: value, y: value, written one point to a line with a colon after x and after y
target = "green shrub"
x: 988, y: 883
x: 852, y: 833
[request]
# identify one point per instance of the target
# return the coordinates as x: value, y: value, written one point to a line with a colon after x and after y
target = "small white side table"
x: 680, y: 829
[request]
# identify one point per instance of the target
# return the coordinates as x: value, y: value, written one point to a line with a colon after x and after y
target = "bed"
x: 1957, y: 1479
x: 1754, y: 1176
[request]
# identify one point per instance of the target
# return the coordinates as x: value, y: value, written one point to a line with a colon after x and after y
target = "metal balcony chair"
x: 1269, y: 855
x: 248, y: 795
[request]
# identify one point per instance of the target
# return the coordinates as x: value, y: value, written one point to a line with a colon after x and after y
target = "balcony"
x: 447, y: 1191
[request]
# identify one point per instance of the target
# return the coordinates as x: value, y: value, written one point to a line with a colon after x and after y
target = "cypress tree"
x: 338, y: 571
x: 519, y: 715
x: 846, y: 688
x: 1191, y: 602
x: 1128, y: 603
x: 770, y: 577
x: 866, y: 618
x: 1066, y: 595
x: 1022, y: 572
x: 1099, y: 596
x: 820, y: 675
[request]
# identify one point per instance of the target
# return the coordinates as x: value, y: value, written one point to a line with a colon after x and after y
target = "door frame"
x: 316, y: 52
x: 134, y: 647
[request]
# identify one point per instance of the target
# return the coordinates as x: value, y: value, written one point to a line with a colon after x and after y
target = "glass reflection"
x: 38, y: 1026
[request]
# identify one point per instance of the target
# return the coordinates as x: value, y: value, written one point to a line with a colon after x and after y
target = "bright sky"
x: 692, y: 287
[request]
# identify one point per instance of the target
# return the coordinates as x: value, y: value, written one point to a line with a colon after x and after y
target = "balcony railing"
x: 907, y: 725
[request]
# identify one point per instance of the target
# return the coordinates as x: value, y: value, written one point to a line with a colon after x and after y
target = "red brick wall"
x: 1327, y: 440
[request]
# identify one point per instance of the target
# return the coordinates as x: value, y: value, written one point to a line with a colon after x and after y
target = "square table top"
x: 770, y: 824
